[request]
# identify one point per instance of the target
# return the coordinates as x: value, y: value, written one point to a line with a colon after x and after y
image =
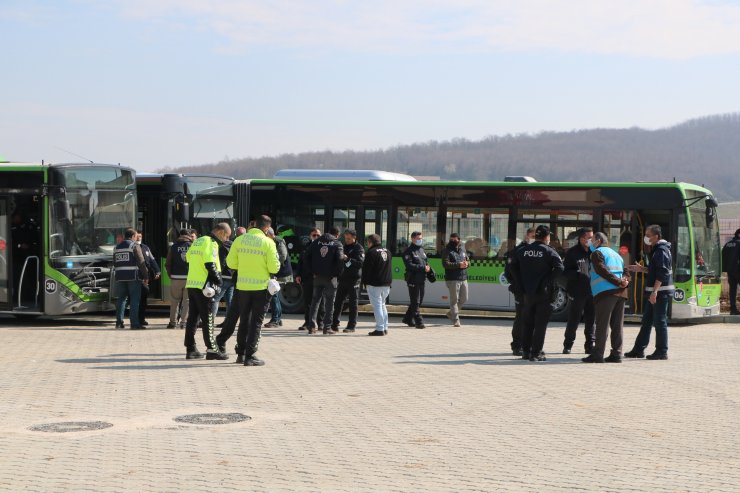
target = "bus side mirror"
x: 63, y: 210
x: 182, y: 210
x: 709, y: 215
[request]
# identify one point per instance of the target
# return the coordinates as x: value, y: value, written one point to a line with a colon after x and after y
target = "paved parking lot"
x: 439, y: 409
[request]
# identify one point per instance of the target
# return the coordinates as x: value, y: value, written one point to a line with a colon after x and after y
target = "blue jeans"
x: 655, y: 315
x: 377, y: 295
x: 276, y: 308
x: 131, y: 291
x: 226, y: 293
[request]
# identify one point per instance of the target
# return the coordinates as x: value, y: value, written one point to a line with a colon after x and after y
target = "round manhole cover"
x: 69, y: 426
x: 212, y: 418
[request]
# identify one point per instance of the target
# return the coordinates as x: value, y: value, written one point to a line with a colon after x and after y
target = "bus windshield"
x: 97, y: 205
x: 212, y: 203
x: 706, y: 245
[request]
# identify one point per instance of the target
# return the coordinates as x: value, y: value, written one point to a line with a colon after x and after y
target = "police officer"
x: 349, y: 281
x: 577, y: 265
x: 254, y: 257
x: 659, y: 290
x: 177, y: 269
x: 204, y: 267
x: 536, y: 266
x: 518, y: 291
x: 324, y: 262
x: 731, y: 265
x: 131, y: 273
x: 417, y: 266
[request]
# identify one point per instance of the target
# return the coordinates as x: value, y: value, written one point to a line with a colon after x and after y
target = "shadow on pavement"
x: 510, y: 360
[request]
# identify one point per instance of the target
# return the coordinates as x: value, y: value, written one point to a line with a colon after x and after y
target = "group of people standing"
x: 597, y: 282
x: 248, y: 272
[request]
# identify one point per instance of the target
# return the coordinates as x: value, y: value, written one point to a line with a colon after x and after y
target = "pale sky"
x: 154, y: 83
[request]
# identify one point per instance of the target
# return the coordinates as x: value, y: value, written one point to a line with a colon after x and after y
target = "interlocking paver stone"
x: 441, y: 409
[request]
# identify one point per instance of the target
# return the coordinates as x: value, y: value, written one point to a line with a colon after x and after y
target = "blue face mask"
x: 591, y: 246
x: 418, y: 242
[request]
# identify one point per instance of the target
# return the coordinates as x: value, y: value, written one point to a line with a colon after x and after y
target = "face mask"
x: 530, y: 241
x: 646, y: 239
x: 418, y: 242
x: 138, y: 242
x: 591, y: 246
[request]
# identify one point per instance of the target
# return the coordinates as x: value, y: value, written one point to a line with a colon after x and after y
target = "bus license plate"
x: 707, y: 311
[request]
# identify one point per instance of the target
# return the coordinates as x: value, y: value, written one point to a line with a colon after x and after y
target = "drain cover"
x: 69, y: 426
x: 212, y: 418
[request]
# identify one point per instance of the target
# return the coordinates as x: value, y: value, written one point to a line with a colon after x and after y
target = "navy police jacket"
x: 535, y: 267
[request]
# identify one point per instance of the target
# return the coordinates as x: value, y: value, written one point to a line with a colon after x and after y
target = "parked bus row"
x: 60, y: 223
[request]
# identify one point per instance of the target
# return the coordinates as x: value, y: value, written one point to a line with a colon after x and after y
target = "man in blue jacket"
x: 659, y: 290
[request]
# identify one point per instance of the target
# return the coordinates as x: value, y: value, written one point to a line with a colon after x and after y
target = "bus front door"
x: 5, y: 260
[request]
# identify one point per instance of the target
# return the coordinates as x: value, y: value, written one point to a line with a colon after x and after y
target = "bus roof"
x: 341, y: 174
x: 7, y: 165
x: 497, y: 184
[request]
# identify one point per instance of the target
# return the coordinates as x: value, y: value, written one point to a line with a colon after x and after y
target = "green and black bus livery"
x: 59, y: 224
x: 492, y: 217
x: 170, y: 202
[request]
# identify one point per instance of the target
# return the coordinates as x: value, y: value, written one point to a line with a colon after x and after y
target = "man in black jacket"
x: 577, y: 270
x: 177, y: 270
x: 731, y: 265
x: 154, y: 274
x: 536, y: 266
x: 306, y: 282
x: 518, y: 292
x: 349, y: 281
x: 455, y: 263
x: 417, y: 266
x: 377, y: 276
x: 324, y: 263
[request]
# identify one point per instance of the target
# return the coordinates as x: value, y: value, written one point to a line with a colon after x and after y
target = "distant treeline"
x: 702, y: 151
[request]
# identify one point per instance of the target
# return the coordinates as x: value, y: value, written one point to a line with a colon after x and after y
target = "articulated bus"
x: 59, y: 224
x: 170, y: 202
x: 492, y: 217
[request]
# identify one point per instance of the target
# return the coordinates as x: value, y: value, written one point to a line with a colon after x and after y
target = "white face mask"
x: 138, y: 242
x: 646, y: 239
x: 530, y: 241
x: 418, y: 242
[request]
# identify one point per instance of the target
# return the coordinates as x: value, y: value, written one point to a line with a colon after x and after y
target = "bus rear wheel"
x: 291, y: 297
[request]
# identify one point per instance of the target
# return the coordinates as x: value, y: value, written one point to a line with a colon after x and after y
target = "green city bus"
x: 170, y: 202
x: 491, y: 218
x: 59, y: 224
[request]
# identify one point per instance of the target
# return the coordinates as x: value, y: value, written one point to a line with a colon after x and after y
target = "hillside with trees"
x: 702, y: 151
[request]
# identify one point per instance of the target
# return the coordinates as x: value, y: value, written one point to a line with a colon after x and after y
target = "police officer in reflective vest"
x: 536, y: 266
x: 204, y: 276
x: 254, y: 258
x: 131, y: 272
x: 609, y: 283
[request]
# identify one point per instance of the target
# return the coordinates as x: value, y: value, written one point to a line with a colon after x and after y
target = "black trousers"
x: 307, y: 285
x: 516, y: 329
x: 143, y: 303
x: 229, y: 324
x: 536, y: 311
x: 200, y: 307
x: 580, y: 305
x: 252, y: 308
x: 346, y: 290
x: 416, y: 298
x: 732, y: 281
x: 324, y: 292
